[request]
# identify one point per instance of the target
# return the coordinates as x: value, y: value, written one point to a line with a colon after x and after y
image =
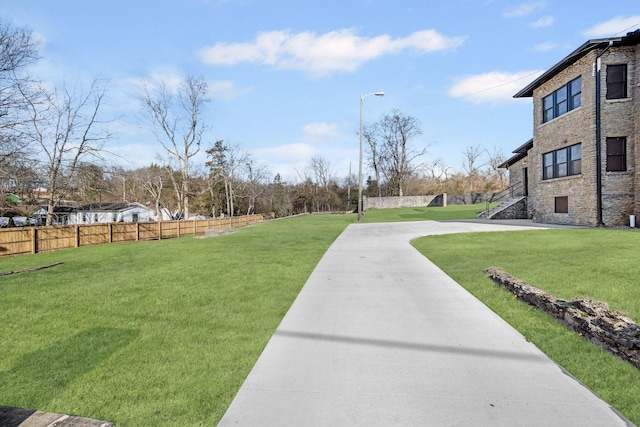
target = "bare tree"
x: 64, y: 124
x: 470, y: 162
x: 376, y: 159
x: 256, y: 175
x: 496, y: 158
x: 88, y: 183
x: 178, y: 124
x: 321, y: 169
x: 396, y: 157
x: 18, y: 50
x: 225, y: 165
x: 153, y: 183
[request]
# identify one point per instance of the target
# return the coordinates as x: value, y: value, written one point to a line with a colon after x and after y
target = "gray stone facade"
x: 619, y: 118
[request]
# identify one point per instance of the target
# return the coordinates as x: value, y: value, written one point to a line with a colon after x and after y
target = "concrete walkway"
x: 379, y: 336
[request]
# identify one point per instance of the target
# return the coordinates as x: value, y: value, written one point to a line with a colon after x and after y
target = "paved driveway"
x: 379, y: 336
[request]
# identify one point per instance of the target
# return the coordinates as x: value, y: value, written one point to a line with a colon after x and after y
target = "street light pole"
x: 362, y: 97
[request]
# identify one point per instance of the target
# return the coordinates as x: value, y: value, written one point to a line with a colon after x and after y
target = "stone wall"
x: 612, y: 330
x: 437, y: 200
x: 398, y: 202
x: 619, y: 119
x: 475, y: 198
x: 517, y: 210
x: 574, y: 127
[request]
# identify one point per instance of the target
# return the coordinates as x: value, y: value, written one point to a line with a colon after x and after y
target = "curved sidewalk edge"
x: 380, y: 336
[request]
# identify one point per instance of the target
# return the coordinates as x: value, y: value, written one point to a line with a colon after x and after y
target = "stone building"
x: 580, y: 166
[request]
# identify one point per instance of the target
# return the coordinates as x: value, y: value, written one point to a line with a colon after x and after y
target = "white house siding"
x: 100, y: 217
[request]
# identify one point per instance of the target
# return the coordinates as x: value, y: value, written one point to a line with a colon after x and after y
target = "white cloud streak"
x: 616, y: 26
x: 545, y: 21
x: 322, y: 54
x: 492, y: 88
x: 321, y: 130
x: 523, y: 9
x: 545, y: 47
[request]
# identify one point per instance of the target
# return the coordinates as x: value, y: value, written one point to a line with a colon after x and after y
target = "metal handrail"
x: 499, y: 197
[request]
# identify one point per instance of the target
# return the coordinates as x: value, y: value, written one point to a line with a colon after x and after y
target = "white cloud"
x: 173, y: 81
x: 132, y: 155
x: 492, y: 88
x: 545, y: 21
x: 322, y: 54
x: 225, y: 89
x: 545, y: 47
x: 616, y: 26
x: 321, y: 130
x: 523, y: 9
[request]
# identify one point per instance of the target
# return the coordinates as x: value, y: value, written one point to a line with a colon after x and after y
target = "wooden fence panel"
x: 16, y: 241
x: 169, y: 229
x: 148, y: 231
x: 94, y: 234
x: 54, y: 238
x: 124, y: 231
x: 24, y: 240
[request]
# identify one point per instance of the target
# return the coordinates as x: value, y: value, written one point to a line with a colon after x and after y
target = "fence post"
x: 77, y: 236
x: 137, y: 231
x: 34, y: 240
x: 110, y: 233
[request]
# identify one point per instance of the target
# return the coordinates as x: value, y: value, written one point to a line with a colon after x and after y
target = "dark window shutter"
x: 616, y: 154
x: 616, y: 81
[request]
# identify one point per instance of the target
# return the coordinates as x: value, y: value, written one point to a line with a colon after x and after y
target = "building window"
x: 114, y: 217
x: 561, y: 205
x: 617, y: 154
x: 563, y: 162
x: 575, y: 154
x: 135, y: 217
x: 563, y: 100
x: 95, y: 217
x: 616, y: 81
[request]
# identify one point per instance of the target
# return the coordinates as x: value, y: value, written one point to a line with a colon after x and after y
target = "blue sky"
x: 285, y: 77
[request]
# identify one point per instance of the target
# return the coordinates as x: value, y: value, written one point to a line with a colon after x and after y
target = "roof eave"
x: 527, y: 92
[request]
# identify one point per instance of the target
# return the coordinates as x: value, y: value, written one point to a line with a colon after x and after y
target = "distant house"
x: 581, y: 165
x: 60, y: 215
x: 98, y: 213
x: 111, y: 212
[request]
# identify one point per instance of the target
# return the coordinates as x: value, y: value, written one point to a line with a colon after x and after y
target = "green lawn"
x: 152, y: 333
x: 436, y: 213
x: 600, y: 264
x: 165, y: 332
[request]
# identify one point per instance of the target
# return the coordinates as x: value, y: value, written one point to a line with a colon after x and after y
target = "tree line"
x: 53, y: 141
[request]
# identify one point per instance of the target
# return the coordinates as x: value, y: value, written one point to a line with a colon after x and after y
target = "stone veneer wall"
x: 576, y: 126
x: 517, y: 210
x: 619, y: 119
x: 516, y: 176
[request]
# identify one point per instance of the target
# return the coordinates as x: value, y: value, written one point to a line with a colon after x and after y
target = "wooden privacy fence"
x: 31, y: 240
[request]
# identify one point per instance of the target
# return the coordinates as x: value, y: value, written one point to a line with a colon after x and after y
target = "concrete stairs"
x: 512, y: 208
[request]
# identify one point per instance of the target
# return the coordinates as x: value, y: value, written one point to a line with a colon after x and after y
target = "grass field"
x: 569, y: 263
x: 151, y: 333
x: 165, y: 332
x: 437, y: 213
